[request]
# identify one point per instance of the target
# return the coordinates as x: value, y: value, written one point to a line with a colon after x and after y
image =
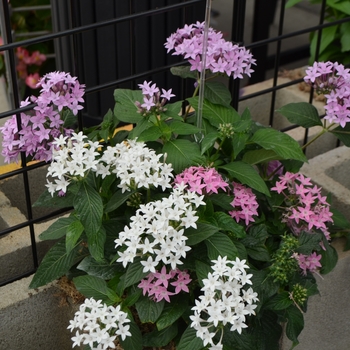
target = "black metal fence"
x: 118, y: 43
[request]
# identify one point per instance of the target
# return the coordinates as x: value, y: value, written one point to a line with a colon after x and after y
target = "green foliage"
x: 334, y: 39
x: 240, y: 150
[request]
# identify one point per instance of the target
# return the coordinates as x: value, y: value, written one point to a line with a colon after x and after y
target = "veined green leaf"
x: 89, y: 207
x: 284, y: 145
x: 247, y: 175
x: 74, y: 231
x: 96, y: 243
x: 149, y: 310
x: 102, y: 269
x: 55, y: 264
x: 203, y: 231
x: 182, y: 153
x: 134, y: 342
x: 216, y: 92
x: 301, y: 113
x: 95, y: 287
x: 157, y: 339
x: 184, y: 72
x: 260, y: 156
x: 117, y: 200
x: 208, y: 141
x: 58, y: 229
x: 181, y: 128
x: 151, y: 134
x: 189, y: 340
x: 220, y: 245
x: 125, y: 109
x: 172, y: 311
x: 202, y: 270
x: 216, y: 114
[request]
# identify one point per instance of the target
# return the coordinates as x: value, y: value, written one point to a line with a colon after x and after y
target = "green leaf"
x: 103, y: 269
x: 208, y: 141
x: 343, y: 134
x: 202, y: 270
x: 260, y: 156
x: 284, y: 145
x: 222, y: 200
x: 46, y: 200
x: 96, y: 244
x: 157, y: 339
x: 327, y: 38
x: 89, y: 207
x: 95, y: 287
x: 329, y: 258
x: 183, y: 72
x: 216, y: 92
x: 227, y: 223
x: 301, y: 113
x: 247, y: 175
x: 149, y: 310
x: 291, y: 3
x: 339, y: 220
x: 74, y: 231
x: 280, y: 301
x: 239, y: 141
x: 125, y: 109
x: 189, y: 340
x: 58, y: 229
x: 134, y: 273
x: 259, y: 253
x: 216, y: 114
x: 295, y: 323
x: 117, y: 200
x: 309, y: 242
x: 342, y: 6
x: 173, y: 311
x: 182, y: 154
x: 151, y: 134
x: 134, y: 342
x: 139, y: 128
x: 199, y: 234
x: 344, y: 38
x: 220, y: 245
x: 55, y: 264
x: 133, y: 296
x: 181, y: 128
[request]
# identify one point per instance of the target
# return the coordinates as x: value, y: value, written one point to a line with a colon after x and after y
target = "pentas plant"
x: 181, y: 243
x: 59, y: 101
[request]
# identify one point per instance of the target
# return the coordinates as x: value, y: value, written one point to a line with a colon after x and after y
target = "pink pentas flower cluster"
x: 26, y: 59
x: 244, y: 203
x: 201, y: 180
x: 222, y: 56
x: 333, y: 81
x: 40, y: 126
x: 153, y: 99
x: 161, y: 285
x: 306, y: 209
x: 308, y: 262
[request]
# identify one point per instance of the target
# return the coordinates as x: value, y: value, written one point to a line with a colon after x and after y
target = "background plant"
x: 335, y: 40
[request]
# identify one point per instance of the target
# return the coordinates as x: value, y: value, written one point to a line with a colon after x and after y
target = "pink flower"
x: 32, y: 80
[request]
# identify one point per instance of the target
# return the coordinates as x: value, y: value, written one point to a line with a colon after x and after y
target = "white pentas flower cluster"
x: 156, y: 232
x: 226, y: 300
x: 98, y: 325
x: 132, y: 162
x: 136, y: 165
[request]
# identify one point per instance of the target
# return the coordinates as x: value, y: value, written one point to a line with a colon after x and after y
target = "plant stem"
x: 323, y: 131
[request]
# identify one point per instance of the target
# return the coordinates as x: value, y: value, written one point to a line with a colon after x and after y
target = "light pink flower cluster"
x: 153, y: 100
x: 222, y: 55
x: 244, y: 204
x: 306, y: 209
x: 44, y: 123
x: 308, y: 262
x: 161, y: 285
x: 25, y: 59
x: 333, y: 81
x: 201, y: 180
